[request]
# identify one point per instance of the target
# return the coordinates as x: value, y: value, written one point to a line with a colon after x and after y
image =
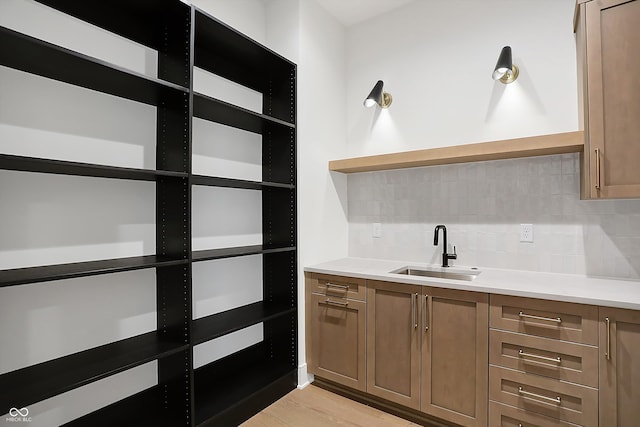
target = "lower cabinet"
x: 393, y: 342
x: 543, y: 363
x: 546, y: 363
x: 336, y: 328
x: 339, y: 330
x: 427, y: 349
x: 455, y: 338
x: 619, y: 367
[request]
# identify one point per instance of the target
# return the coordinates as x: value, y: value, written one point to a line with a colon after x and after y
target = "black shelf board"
x: 35, y: 56
x: 63, y: 167
x: 22, y: 276
x: 239, y: 58
x: 143, y: 407
x: 215, y: 110
x: 141, y: 21
x: 214, y: 181
x: 226, y: 322
x: 222, y: 386
x: 254, y: 403
x: 35, y: 383
x: 211, y: 254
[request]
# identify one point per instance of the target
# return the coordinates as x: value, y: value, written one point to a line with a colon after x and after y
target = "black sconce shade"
x: 377, y: 96
x: 505, y: 70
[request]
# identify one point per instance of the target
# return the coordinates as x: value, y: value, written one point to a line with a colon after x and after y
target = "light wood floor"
x: 316, y: 407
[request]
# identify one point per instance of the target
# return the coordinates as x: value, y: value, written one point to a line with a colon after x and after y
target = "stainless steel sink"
x: 441, y: 273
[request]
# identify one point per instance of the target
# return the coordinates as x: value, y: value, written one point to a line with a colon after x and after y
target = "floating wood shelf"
x: 560, y: 143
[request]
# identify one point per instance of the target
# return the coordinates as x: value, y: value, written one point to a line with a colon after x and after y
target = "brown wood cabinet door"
x: 393, y: 342
x: 619, y: 367
x: 613, y: 90
x: 338, y: 337
x: 455, y: 364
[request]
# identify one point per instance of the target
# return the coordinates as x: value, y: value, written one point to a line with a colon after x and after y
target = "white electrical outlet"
x: 376, y: 229
x: 526, y: 233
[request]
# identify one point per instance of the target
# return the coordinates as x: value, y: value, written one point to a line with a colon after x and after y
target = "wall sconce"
x: 505, y: 71
x: 377, y: 96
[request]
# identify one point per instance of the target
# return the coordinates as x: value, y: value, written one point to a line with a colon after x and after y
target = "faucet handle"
x: 454, y: 255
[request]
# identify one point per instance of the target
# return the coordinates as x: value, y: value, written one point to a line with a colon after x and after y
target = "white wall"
x: 436, y: 58
x: 321, y: 137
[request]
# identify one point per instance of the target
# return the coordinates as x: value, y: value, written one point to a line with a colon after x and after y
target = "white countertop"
x: 552, y: 286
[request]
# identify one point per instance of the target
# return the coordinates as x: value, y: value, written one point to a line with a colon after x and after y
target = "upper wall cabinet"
x: 608, y: 42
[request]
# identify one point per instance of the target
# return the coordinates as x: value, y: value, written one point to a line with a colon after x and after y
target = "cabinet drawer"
x: 507, y: 416
x: 551, y: 319
x: 568, y: 402
x: 577, y: 363
x: 338, y: 286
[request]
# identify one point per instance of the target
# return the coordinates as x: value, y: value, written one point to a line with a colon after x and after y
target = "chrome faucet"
x: 445, y: 256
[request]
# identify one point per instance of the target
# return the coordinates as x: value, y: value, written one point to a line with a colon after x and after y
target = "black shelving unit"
x: 229, y: 390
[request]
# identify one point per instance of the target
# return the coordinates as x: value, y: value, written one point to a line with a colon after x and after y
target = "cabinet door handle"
x: 414, y: 310
x: 340, y: 303
x: 607, y: 353
x: 536, y: 396
x: 425, y: 318
x: 546, y: 319
x: 522, y: 353
x: 597, y: 168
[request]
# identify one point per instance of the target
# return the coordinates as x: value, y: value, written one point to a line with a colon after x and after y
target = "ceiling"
x: 351, y: 12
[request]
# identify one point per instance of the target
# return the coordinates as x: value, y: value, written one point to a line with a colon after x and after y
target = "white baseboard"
x: 304, y: 378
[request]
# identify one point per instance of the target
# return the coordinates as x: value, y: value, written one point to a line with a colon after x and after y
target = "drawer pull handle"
x: 521, y: 353
x: 340, y: 303
x: 338, y: 287
x: 538, y: 396
x: 523, y: 315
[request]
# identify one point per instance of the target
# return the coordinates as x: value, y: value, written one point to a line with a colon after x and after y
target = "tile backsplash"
x: 483, y: 204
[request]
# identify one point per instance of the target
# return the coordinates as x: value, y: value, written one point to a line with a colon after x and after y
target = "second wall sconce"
x: 377, y: 96
x: 505, y: 71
